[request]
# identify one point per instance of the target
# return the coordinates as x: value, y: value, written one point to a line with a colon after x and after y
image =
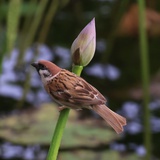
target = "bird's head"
x: 46, y: 68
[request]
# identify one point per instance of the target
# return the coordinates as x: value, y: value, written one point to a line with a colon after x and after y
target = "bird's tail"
x: 113, y: 119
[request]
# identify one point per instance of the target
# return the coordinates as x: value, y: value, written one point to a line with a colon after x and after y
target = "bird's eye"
x: 42, y: 67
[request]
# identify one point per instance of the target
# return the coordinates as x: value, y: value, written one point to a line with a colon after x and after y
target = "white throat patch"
x: 46, y: 79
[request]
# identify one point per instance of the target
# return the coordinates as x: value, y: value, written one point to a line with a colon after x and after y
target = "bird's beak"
x: 35, y: 64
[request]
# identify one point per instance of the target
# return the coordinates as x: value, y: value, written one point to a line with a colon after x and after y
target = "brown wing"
x: 68, y: 88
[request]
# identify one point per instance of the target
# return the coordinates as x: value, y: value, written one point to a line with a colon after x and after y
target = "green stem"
x: 13, y: 19
x: 77, y: 69
x: 58, y: 133
x: 145, y: 77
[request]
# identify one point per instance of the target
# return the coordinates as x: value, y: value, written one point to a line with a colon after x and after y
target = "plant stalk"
x: 59, y: 129
x: 145, y: 77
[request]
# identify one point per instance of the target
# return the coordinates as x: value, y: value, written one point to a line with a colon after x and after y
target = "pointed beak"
x: 35, y: 64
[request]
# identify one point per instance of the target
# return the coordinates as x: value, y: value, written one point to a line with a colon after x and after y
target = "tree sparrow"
x: 71, y: 91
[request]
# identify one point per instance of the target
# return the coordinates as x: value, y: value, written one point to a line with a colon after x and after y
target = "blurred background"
x: 45, y: 29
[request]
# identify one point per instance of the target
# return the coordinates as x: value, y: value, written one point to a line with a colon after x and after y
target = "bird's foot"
x: 61, y: 108
x: 79, y: 109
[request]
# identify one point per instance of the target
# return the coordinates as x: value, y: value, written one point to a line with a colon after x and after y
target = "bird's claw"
x: 61, y: 108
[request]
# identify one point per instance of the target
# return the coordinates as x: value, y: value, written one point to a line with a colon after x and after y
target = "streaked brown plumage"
x: 72, y: 91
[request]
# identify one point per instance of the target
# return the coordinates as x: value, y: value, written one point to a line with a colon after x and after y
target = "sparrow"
x: 71, y: 91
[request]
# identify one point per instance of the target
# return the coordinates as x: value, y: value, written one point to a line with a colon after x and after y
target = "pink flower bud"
x: 83, y: 47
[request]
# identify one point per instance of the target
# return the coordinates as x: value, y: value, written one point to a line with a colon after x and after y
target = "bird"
x: 71, y: 91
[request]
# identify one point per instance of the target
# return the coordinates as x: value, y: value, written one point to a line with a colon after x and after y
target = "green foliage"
x: 35, y: 126
x: 26, y: 23
x: 12, y: 23
x: 89, y: 155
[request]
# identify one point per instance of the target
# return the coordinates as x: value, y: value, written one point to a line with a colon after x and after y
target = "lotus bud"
x: 83, y: 47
